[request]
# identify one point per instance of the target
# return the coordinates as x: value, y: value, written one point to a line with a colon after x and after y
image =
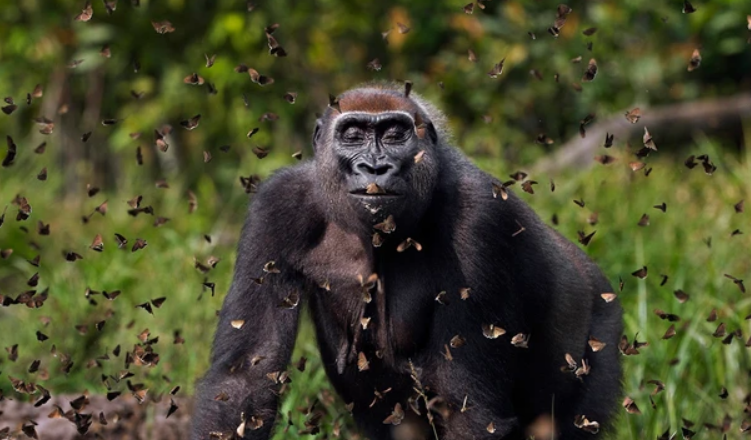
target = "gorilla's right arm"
x: 258, y: 321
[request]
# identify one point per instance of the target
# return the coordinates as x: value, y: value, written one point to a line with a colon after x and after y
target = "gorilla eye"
x: 353, y: 135
x: 396, y: 134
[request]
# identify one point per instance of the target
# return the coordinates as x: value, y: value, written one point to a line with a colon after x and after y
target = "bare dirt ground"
x: 96, y: 417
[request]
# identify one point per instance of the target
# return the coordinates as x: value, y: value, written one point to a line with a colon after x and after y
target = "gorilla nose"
x: 378, y: 169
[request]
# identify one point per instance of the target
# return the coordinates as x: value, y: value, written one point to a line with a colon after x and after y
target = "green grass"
x: 698, y: 206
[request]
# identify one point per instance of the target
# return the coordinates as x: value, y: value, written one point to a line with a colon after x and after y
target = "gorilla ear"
x: 432, y: 133
x: 423, y: 128
x: 317, y: 135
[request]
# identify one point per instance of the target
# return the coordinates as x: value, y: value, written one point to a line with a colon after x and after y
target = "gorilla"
x: 444, y: 308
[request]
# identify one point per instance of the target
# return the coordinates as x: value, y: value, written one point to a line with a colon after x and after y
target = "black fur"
x: 533, y: 282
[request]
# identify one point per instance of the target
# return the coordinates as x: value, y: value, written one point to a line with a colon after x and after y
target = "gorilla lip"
x: 362, y: 192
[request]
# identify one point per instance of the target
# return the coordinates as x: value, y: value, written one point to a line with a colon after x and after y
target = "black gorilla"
x: 417, y: 266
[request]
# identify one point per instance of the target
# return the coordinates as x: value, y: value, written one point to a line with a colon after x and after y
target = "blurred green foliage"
x: 642, y: 49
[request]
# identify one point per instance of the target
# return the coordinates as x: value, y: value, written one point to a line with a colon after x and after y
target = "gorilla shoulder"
x: 285, y: 207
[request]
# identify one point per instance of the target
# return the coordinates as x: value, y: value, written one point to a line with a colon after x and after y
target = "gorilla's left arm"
x: 525, y: 279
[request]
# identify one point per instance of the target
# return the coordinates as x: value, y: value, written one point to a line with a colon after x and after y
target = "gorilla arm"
x: 258, y: 322
x: 489, y: 412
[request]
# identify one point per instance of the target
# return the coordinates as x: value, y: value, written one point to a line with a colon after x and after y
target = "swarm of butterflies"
x: 82, y: 413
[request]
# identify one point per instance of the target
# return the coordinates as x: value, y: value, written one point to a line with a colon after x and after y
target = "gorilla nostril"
x: 380, y: 170
x: 377, y: 170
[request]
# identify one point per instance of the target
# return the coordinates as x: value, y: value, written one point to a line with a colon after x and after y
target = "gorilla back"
x: 434, y: 291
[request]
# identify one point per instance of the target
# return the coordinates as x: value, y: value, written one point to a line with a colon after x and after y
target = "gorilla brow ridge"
x: 394, y: 89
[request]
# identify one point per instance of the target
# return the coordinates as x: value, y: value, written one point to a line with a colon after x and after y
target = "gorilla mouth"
x: 363, y: 192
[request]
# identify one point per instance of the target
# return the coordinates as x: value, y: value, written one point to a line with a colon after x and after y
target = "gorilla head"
x: 375, y: 157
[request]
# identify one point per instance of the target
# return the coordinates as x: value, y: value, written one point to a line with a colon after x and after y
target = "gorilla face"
x: 373, y: 164
x: 376, y: 154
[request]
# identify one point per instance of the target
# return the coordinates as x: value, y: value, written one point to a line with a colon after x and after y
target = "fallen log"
x: 686, y: 118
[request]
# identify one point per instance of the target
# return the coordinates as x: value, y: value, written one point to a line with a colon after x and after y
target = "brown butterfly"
x: 11, y: 107
x: 636, y: 166
x: 584, y: 239
x: 589, y: 31
x: 633, y: 115
x: 259, y: 79
x: 377, y: 240
x: 98, y: 244
x: 194, y: 79
x: 387, y: 226
x: 268, y: 116
x: 290, y: 97
x: 605, y: 159
x: 630, y: 406
x: 499, y: 189
x: 334, y: 103
x: 695, y: 61
x: 161, y: 144
x: 139, y: 244
x: 121, y: 240
x: 72, y: 256
x: 648, y: 141
x: 46, y: 126
x: 457, y: 341
x: 640, y: 273
x: 738, y: 207
x: 396, y: 417
x: 492, y: 331
x: 274, y: 47
x: 190, y: 124
x: 210, y: 60
x: 37, y: 92
x: 105, y: 51
x: 670, y: 332
x: 720, y: 331
x: 643, y: 221
x: 520, y: 340
x: 10, y: 156
x: 86, y: 13
x: 527, y: 186
x: 110, y: 6
x: 261, y: 152
x: 374, y: 64
x: 407, y: 88
x: 738, y: 282
x: 497, y: 69
x: 362, y: 363
x: 408, y: 243
x: 591, y: 71
x: 595, y: 344
x: 24, y: 208
x: 560, y: 20
x: 162, y: 27
x: 667, y: 316
x: 586, y: 425
x: 681, y: 296
x: 290, y: 301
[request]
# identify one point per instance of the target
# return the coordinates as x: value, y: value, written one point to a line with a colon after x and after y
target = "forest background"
x: 108, y: 87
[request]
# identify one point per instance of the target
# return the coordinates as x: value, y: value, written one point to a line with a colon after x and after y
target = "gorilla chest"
x: 376, y: 303
x: 390, y: 313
